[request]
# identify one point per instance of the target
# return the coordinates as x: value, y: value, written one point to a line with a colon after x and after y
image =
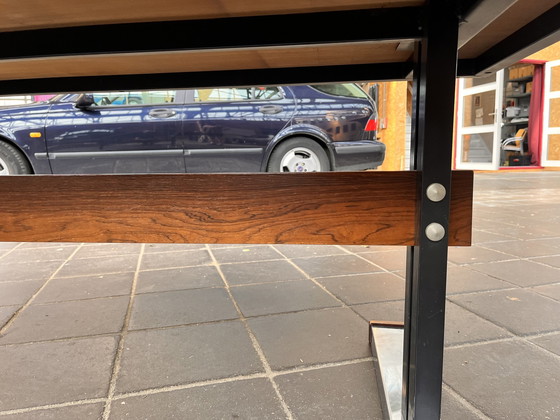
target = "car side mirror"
x: 85, y: 101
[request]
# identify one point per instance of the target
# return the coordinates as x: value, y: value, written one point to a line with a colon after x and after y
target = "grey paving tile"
x: 462, y: 326
x: 464, y: 279
x: 85, y: 412
x: 90, y: 287
x: 550, y: 342
x: 22, y: 255
x: 263, y: 299
x: 358, y: 249
x: 551, y: 242
x: 261, y: 272
x: 552, y: 261
x: 520, y: 272
x: 341, y: 392
x: 475, y: 254
x: 107, y: 250
x: 98, y: 265
x: 15, y: 293
x: 382, y: 311
x: 336, y: 265
x: 365, y: 288
x: 550, y: 290
x: 245, y: 253
x: 389, y: 260
x: 32, y: 245
x: 49, y: 373
x: 6, y: 312
x: 22, y: 271
x: 178, y: 279
x: 482, y: 237
x: 506, y: 380
x: 311, y: 337
x: 295, y: 251
x: 67, y: 319
x: 244, y: 399
x: 520, y: 311
x: 6, y: 246
x: 523, y: 249
x: 453, y: 409
x: 181, y: 307
x: 181, y: 355
x: 151, y: 248
x: 175, y: 259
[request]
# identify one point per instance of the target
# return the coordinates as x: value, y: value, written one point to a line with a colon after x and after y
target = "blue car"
x: 254, y: 129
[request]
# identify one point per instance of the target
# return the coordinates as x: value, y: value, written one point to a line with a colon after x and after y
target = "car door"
x: 228, y: 129
x: 123, y: 132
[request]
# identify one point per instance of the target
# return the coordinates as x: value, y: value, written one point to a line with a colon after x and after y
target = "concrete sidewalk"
x: 147, y: 331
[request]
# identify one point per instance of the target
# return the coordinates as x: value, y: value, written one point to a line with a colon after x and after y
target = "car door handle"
x: 271, y: 109
x: 162, y: 113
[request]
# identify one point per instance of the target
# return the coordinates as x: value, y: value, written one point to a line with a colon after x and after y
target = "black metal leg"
x: 433, y: 112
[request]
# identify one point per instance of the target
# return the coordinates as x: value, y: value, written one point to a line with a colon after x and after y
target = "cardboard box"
x: 528, y: 87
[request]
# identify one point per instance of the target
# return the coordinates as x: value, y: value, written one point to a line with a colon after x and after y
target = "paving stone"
x: 107, y: 250
x: 263, y: 299
x: 462, y: 326
x: 336, y: 265
x: 6, y: 246
x: 67, y: 319
x: 382, y: 311
x: 550, y: 342
x: 261, y: 272
x: 151, y: 248
x: 453, y: 409
x: 85, y: 412
x: 311, y: 337
x: 521, y: 272
x: 358, y: 249
x: 99, y: 265
x: 475, y: 254
x: 175, y: 259
x: 552, y: 261
x: 15, y: 293
x: 295, y: 251
x: 181, y: 307
x: 39, y: 254
x: 523, y: 249
x: 89, y: 287
x: 33, y: 245
x: 482, y: 237
x: 55, y: 372
x: 464, y: 279
x: 532, y: 313
x: 22, y: 271
x: 506, y: 380
x: 244, y: 399
x: 341, y: 392
x: 178, y: 279
x: 389, y: 260
x: 245, y: 253
x: 182, y: 355
x: 550, y: 290
x: 364, y: 288
x: 6, y: 312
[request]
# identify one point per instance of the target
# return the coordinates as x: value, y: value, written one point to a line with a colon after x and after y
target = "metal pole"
x: 431, y: 150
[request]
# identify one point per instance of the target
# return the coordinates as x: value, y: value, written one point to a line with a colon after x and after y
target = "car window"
x: 150, y: 97
x: 236, y: 94
x: 349, y: 90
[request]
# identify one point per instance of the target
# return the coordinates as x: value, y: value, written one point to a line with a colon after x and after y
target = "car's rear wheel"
x: 12, y: 162
x: 298, y: 155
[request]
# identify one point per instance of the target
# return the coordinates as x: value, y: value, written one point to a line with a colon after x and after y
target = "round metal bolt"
x: 435, y: 232
x: 436, y: 192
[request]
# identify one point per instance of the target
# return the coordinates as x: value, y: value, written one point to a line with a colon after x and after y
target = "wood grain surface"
x: 366, y: 208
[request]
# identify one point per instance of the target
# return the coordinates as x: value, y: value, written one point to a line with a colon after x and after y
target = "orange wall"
x: 551, y: 53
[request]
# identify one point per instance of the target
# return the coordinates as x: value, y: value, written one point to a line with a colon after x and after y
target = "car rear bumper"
x: 357, y: 155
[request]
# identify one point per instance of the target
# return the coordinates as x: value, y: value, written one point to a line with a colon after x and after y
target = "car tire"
x: 12, y: 161
x: 298, y: 155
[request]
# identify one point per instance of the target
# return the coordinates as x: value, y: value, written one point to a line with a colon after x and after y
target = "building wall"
x: 551, y: 53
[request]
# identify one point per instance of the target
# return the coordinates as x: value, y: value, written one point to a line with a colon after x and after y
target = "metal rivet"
x: 436, y: 192
x: 435, y: 232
